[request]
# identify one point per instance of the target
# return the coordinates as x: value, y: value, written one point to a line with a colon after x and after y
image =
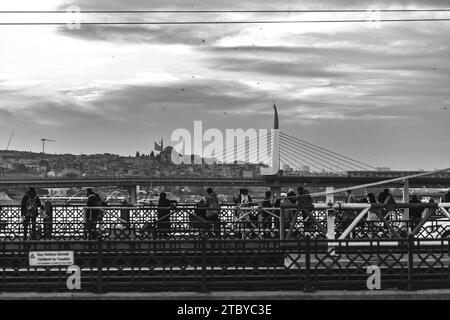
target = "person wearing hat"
x: 29, y: 210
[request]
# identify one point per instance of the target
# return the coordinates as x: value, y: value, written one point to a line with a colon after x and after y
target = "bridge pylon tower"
x: 274, y: 168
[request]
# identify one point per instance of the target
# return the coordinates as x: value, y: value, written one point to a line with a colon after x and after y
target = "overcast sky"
x: 381, y: 96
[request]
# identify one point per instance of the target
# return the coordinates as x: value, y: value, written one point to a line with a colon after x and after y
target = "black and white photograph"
x: 224, y: 155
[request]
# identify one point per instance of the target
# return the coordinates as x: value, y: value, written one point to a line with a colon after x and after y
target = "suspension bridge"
x: 287, y: 247
x: 289, y: 162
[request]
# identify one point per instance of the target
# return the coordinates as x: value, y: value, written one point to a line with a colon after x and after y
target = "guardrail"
x: 319, y: 221
x: 202, y: 265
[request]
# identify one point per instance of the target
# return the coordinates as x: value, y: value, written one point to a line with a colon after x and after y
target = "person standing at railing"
x: 29, y: 210
x: 125, y: 214
x: 163, y: 224
x: 349, y: 215
x: 266, y: 213
x: 243, y: 201
x: 213, y: 212
x: 93, y: 216
x: 292, y: 199
x: 415, y: 214
x: 446, y: 197
x: 387, y: 198
x: 372, y: 217
x: 304, y: 199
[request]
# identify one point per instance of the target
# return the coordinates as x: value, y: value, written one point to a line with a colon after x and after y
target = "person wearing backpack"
x: 29, y: 210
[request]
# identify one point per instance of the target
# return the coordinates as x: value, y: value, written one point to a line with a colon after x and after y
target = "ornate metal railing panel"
x: 183, y: 223
x: 204, y: 265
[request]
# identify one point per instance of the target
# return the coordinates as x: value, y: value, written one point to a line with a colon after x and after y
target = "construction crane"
x: 44, y: 140
x: 9, y: 142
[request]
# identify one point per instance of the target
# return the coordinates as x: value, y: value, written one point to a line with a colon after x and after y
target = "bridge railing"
x: 203, y: 265
x: 319, y: 221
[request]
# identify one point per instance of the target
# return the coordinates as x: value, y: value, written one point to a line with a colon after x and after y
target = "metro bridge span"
x: 431, y: 181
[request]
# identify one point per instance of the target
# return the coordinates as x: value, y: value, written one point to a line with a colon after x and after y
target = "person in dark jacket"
x: 292, y: 196
x: 29, y: 210
x: 349, y: 215
x: 265, y: 214
x: 93, y: 216
x: 213, y: 215
x: 388, y: 199
x: 125, y: 214
x: 304, y: 199
x: 163, y: 224
x: 446, y: 197
x: 415, y: 214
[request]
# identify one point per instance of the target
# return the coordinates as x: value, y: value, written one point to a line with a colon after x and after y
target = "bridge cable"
x: 315, y: 159
x: 292, y: 157
x: 286, y: 159
x: 240, y: 147
x: 328, y: 151
x: 298, y: 149
x: 233, y: 149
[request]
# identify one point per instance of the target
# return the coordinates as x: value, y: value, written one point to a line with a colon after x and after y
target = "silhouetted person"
x: 371, y: 215
x: 93, y: 216
x: 265, y: 214
x: 415, y: 214
x: 446, y: 197
x: 163, y: 224
x: 349, y: 215
x: 212, y: 213
x: 125, y: 214
x: 29, y: 210
x: 292, y: 196
x: 304, y: 199
x: 387, y: 198
x: 370, y: 198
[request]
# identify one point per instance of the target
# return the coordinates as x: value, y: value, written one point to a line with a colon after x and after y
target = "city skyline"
x: 377, y: 95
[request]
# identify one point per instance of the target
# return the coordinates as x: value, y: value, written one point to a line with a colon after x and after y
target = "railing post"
x: 410, y: 262
x: 308, y: 264
x: 99, y: 265
x: 405, y: 215
x: 282, y: 228
x: 48, y: 220
x: 204, y: 284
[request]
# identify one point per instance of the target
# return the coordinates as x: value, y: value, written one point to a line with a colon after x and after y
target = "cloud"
x: 194, y: 35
